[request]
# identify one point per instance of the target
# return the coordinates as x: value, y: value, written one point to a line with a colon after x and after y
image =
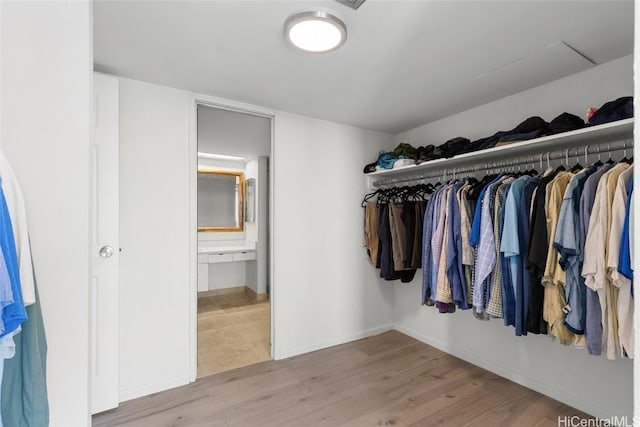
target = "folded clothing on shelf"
x: 565, y: 122
x: 621, y: 108
x: 452, y: 147
x: 530, y: 128
x: 426, y: 153
x: 406, y: 150
x: 401, y: 162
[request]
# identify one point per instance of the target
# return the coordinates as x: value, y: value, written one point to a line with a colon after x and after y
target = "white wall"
x: 573, y: 94
x: 46, y: 68
x: 233, y: 133
x: 154, y: 236
x: 594, y: 385
x: 325, y: 291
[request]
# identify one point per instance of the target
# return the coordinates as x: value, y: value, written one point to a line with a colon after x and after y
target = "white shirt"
x: 624, y: 301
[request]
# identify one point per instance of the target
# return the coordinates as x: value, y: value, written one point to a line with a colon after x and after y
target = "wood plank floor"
x: 385, y: 380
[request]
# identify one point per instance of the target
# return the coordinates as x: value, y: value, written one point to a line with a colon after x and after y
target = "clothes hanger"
x: 577, y: 167
x: 624, y: 153
x: 599, y: 162
x: 533, y: 171
x: 368, y: 197
x: 610, y: 161
x: 559, y: 168
x: 444, y: 175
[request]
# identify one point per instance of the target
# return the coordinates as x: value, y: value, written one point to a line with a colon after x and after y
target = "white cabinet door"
x: 104, y: 244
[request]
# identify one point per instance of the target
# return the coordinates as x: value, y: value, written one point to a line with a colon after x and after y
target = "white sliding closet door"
x: 104, y: 244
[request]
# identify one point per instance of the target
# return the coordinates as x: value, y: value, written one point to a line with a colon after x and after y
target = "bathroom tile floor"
x: 233, y: 331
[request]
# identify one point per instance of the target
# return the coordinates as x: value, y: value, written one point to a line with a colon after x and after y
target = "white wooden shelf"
x: 608, y: 132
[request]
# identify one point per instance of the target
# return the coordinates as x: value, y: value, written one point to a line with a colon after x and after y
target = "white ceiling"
x: 405, y: 63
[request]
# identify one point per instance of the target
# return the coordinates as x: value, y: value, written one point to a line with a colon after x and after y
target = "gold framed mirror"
x: 220, y: 200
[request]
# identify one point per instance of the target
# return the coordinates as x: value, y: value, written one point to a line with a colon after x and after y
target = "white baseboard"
x: 283, y: 354
x: 134, y: 393
x: 591, y: 408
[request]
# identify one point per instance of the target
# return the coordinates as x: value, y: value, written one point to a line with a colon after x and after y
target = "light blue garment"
x: 1, y: 378
x: 567, y: 242
x: 510, y: 243
x: 6, y: 294
x: 13, y: 314
x: 508, y: 299
x: 455, y: 271
x: 624, y: 260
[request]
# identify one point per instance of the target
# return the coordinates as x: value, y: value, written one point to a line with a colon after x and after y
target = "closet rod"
x: 535, y: 159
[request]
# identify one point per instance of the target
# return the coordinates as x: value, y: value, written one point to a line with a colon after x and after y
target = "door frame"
x: 222, y: 104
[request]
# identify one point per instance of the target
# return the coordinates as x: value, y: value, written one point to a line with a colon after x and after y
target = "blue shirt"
x: 455, y: 271
x: 14, y: 314
x: 510, y: 243
x: 474, y: 237
x: 486, y: 256
x: 567, y: 242
x: 508, y: 299
x: 6, y: 294
x: 624, y: 261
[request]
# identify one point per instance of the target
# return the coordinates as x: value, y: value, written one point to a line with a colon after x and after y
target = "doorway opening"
x: 233, y: 300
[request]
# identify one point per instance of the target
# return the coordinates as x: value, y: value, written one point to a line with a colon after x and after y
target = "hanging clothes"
x: 554, y: 277
x: 371, y: 239
x: 393, y: 227
x: 23, y: 392
x: 524, y: 247
x: 620, y: 285
x: 594, y: 268
x: 593, y: 318
x: 567, y: 244
x: 23, y: 397
x: 17, y: 212
x: 14, y: 314
x: 511, y: 248
x: 537, y: 250
x: 624, y: 281
x: 385, y: 255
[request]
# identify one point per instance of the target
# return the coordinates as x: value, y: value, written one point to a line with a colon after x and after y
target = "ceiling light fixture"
x: 315, y: 31
x: 219, y: 157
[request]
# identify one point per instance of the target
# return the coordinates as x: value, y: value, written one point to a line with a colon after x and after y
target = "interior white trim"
x: 224, y: 104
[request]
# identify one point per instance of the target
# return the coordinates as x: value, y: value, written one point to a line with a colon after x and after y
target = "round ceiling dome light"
x: 315, y: 31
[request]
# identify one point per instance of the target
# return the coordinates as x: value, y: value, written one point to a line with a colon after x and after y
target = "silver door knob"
x: 106, y: 251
